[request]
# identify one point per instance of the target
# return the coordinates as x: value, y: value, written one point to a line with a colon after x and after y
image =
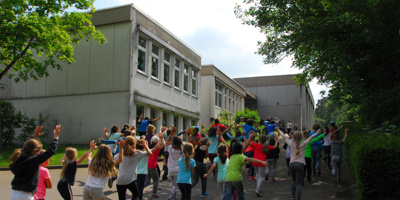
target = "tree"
x: 41, y: 28
x: 353, y: 45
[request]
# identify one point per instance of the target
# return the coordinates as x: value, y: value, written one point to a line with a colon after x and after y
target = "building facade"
x: 280, y: 97
x: 142, y: 69
x: 221, y: 95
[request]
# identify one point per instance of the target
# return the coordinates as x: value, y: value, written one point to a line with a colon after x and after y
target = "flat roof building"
x: 142, y: 69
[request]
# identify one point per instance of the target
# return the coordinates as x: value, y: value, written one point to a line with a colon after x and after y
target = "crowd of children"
x: 132, y: 162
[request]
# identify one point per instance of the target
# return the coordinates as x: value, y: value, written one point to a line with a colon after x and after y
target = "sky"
x: 211, y: 28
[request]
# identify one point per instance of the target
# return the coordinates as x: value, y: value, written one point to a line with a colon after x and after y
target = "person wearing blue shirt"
x: 247, y: 127
x: 316, y: 149
x: 144, y: 123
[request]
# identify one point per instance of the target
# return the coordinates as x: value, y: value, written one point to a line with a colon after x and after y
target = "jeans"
x: 199, y: 172
x: 165, y: 168
x: 230, y: 187
x: 327, y: 154
x: 121, y: 189
x: 307, y: 168
x: 336, y: 161
x: 186, y: 190
x: 250, y: 154
x: 316, y: 158
x: 297, y: 170
x: 221, y: 186
x: 272, y: 167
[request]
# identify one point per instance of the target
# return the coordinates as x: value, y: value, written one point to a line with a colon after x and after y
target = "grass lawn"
x: 54, y: 160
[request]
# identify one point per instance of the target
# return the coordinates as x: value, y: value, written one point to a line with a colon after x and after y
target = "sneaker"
x: 110, y: 182
x: 258, y: 193
x: 273, y: 180
x: 206, y: 194
x: 154, y: 196
x: 253, y: 178
x: 266, y: 177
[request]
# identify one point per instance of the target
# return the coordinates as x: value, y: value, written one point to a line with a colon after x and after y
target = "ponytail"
x: 297, y: 136
x: 30, y: 147
x: 129, y: 142
x: 15, y: 156
x: 222, y: 153
x: 187, y: 151
x: 70, y: 154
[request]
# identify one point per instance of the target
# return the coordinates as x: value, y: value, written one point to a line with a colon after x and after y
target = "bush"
x: 247, y: 114
x: 375, y: 161
x: 12, y: 120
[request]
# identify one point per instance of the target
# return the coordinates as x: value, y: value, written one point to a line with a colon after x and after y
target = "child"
x: 297, y: 161
x: 152, y: 163
x: 307, y: 154
x: 101, y: 167
x: 273, y: 156
x: 247, y: 127
x: 214, y: 136
x: 142, y: 169
x: 260, y: 153
x: 25, y: 162
x: 68, y: 172
x: 316, y: 150
x: 128, y: 168
x: 336, y: 152
x: 288, y: 152
x: 222, y: 162
x: 200, y: 153
x: 114, y: 135
x: 233, y: 180
x: 175, y: 153
x: 326, y: 147
x: 186, y: 170
x: 44, y: 180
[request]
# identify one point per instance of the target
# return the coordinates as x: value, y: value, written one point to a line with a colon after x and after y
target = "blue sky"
x: 211, y: 29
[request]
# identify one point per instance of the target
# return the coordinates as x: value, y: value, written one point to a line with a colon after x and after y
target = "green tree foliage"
x: 43, y: 28
x: 352, y: 45
x: 247, y: 114
x: 328, y: 110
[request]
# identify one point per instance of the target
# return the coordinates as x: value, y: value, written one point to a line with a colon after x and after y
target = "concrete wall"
x: 278, y: 96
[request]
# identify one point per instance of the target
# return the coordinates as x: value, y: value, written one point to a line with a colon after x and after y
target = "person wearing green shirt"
x: 307, y: 153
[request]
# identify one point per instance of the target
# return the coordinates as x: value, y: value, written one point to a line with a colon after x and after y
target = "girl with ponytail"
x: 127, y: 178
x: 68, y: 172
x: 297, y: 161
x: 222, y: 162
x: 186, y: 170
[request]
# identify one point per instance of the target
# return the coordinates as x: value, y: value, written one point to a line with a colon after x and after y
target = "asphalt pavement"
x: 322, y: 187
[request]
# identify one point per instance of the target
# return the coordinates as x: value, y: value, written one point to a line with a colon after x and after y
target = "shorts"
x: 90, y: 193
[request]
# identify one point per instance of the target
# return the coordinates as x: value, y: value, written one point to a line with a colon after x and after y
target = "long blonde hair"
x: 28, y: 149
x: 102, y: 163
x: 130, y: 142
x: 188, y: 152
x: 70, y: 154
x: 297, y: 137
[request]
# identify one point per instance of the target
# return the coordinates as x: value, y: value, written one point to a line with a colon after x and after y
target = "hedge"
x: 375, y: 162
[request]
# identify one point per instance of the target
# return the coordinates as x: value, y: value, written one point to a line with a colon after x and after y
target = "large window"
x: 165, y: 119
x: 177, y: 74
x: 186, y: 78
x: 166, y: 67
x: 154, y: 60
x: 176, y: 120
x: 141, y: 64
x: 218, y: 95
x: 194, y: 82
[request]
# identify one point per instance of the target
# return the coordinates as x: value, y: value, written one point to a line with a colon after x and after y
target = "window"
x: 139, y: 110
x: 154, y: 60
x: 152, y: 113
x: 141, y: 63
x: 218, y: 95
x: 186, y: 78
x: 194, y: 122
x: 194, y: 82
x: 177, y: 69
x: 176, y: 118
x: 166, y: 67
x: 184, y: 128
x: 165, y: 119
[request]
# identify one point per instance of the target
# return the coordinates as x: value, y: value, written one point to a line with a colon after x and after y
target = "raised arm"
x: 121, y: 144
x: 106, y: 132
x: 337, y: 130
x: 156, y: 119
x: 88, y: 154
x: 37, y: 132
x: 170, y: 136
x: 146, y: 147
x: 247, y: 141
x: 222, y: 137
x: 161, y: 136
x: 345, y: 134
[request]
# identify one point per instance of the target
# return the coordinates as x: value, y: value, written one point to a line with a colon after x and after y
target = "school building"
x: 279, y: 96
x: 143, y: 68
